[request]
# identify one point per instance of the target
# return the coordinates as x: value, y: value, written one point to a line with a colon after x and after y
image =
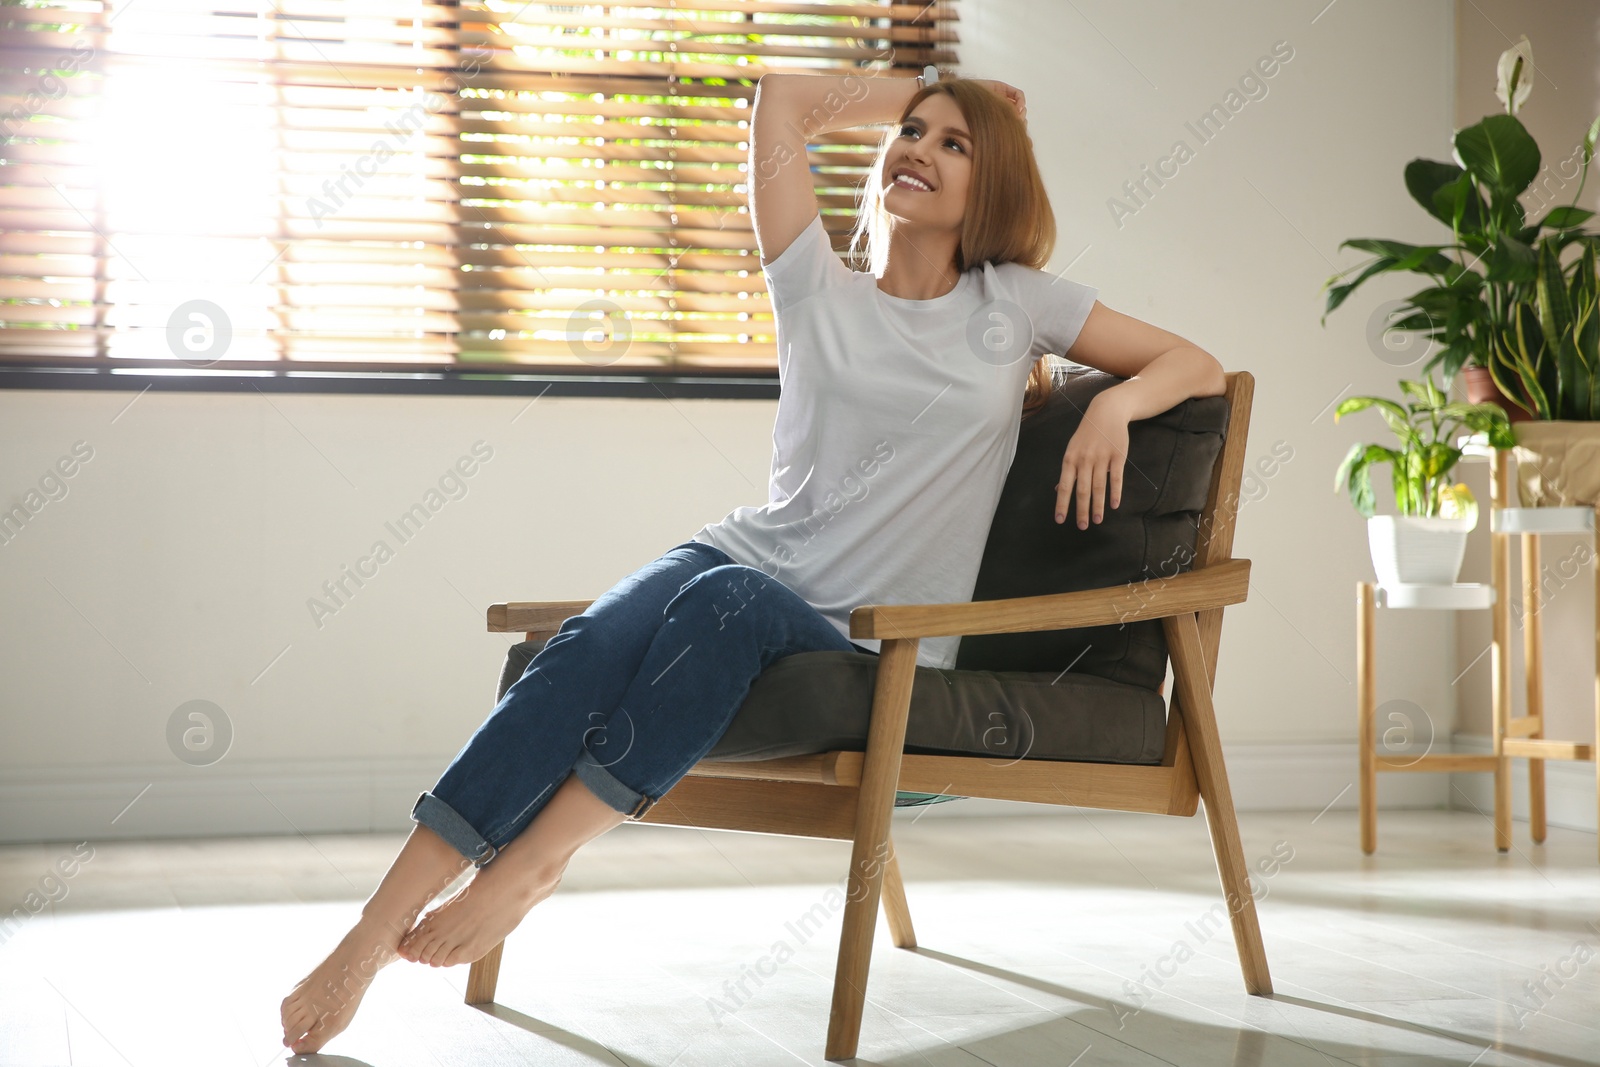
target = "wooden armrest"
x: 534, y: 615
x: 1197, y: 590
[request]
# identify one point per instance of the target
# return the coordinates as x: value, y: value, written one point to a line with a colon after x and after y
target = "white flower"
x: 1516, y: 75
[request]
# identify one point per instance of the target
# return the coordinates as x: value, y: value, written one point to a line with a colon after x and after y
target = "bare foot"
x: 464, y: 928
x: 325, y: 1001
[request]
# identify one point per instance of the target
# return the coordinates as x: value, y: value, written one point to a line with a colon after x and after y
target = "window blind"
x: 355, y: 186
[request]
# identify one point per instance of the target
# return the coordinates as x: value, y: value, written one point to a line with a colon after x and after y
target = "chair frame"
x: 849, y: 796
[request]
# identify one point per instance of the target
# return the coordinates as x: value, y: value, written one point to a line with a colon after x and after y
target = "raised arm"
x: 790, y: 110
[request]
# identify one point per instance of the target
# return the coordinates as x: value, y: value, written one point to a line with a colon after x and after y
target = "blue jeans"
x: 628, y: 695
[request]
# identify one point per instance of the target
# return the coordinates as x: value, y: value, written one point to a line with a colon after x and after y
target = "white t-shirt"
x: 897, y: 421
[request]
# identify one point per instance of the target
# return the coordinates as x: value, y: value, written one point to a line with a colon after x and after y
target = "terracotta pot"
x: 1481, y: 387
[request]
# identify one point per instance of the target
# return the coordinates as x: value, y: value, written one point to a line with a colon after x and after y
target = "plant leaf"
x: 1511, y: 260
x: 1424, y: 179
x: 1355, y: 475
x: 1565, y: 216
x: 1341, y: 477
x: 1418, y: 390
x: 1405, y: 256
x: 1438, y: 458
x: 1459, y: 206
x: 1337, y: 293
x: 1499, y: 152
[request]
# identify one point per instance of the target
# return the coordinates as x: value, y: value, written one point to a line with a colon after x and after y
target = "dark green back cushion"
x: 1151, y: 535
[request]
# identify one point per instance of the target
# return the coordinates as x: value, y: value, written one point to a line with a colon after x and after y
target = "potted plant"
x: 1424, y: 541
x: 1523, y: 326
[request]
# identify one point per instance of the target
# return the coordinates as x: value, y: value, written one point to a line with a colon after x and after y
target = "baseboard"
x: 244, y: 798
x: 1569, y: 788
x: 232, y: 798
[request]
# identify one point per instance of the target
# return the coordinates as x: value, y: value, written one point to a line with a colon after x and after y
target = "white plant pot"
x: 1416, y: 550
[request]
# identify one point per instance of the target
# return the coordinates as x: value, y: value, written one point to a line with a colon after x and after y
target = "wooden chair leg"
x: 869, y: 855
x: 484, y: 976
x: 1205, y: 746
x: 895, y: 908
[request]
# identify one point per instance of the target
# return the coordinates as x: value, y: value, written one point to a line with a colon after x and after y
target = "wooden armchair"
x: 850, y: 795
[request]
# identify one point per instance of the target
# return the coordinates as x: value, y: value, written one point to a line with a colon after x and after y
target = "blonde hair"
x: 1007, y: 218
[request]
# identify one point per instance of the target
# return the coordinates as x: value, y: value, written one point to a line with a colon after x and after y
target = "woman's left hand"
x: 1009, y: 93
x: 1092, y: 466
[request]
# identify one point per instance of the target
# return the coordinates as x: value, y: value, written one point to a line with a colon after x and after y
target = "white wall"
x: 180, y: 563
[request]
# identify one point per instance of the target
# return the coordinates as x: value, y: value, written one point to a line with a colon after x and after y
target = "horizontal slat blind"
x: 373, y: 186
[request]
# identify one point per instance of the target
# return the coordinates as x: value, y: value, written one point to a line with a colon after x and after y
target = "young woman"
x: 903, y: 390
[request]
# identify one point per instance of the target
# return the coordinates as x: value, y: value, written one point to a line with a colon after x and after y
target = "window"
x: 337, y: 188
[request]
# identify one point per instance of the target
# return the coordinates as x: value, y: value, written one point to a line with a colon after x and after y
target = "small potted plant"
x: 1424, y: 541
x: 1517, y: 322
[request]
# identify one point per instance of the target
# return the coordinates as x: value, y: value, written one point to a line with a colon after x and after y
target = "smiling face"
x: 928, y: 166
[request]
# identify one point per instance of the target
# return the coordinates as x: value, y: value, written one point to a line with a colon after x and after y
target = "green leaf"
x: 1341, y: 477
x: 1586, y: 286
x: 1337, y: 293
x: 1523, y: 353
x: 1500, y: 153
x: 1438, y: 458
x: 1485, y: 418
x: 1403, y: 476
x: 1399, y: 421
x: 1351, y: 404
x: 1355, y: 475
x: 1500, y: 433
x: 1554, y: 305
x: 1563, y: 217
x: 1405, y: 256
x: 1460, y: 207
x: 1451, y: 359
x: 1428, y: 395
x: 1436, y: 397
x: 1398, y: 418
x: 1415, y: 321
x: 1424, y: 179
x: 1361, y: 494
x: 1511, y: 261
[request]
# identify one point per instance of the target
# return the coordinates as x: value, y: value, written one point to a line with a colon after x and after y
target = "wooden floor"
x: 675, y: 948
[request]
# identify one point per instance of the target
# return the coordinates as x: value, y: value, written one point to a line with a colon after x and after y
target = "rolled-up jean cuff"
x: 445, y: 821
x: 603, y: 784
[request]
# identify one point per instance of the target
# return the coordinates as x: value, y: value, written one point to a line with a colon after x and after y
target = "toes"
x: 412, y: 941
x: 442, y: 948
x: 314, y: 1039
x: 421, y: 946
x: 297, y: 1018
